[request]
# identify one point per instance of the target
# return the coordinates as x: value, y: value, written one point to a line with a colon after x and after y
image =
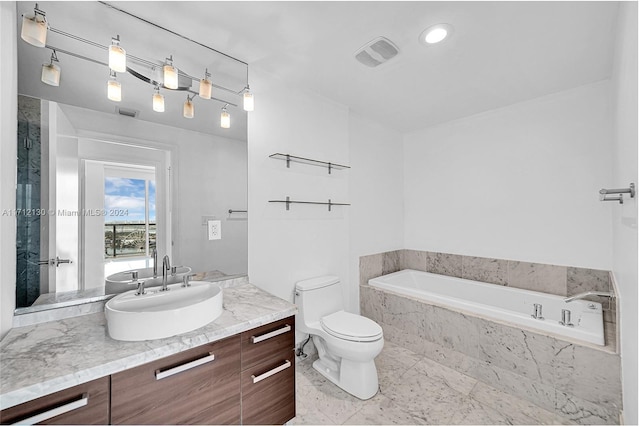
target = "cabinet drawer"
x: 198, y: 386
x: 269, y: 342
x: 268, y: 392
x: 83, y: 404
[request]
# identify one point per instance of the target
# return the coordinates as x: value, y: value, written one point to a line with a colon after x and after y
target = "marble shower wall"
x: 553, y: 279
x: 578, y: 382
x: 28, y: 200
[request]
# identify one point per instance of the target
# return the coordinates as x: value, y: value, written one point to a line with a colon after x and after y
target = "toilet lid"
x: 345, y: 325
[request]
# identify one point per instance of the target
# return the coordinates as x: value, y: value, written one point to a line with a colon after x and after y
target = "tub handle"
x: 537, y: 312
x: 566, y: 318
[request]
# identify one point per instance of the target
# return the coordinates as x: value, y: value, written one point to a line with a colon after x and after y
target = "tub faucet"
x: 166, y: 266
x: 155, y: 263
x: 537, y: 312
x: 565, y: 318
x: 588, y: 293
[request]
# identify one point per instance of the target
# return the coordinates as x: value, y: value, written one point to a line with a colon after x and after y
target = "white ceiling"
x: 500, y: 52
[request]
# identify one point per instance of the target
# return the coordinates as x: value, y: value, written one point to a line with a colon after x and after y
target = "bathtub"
x: 499, y: 303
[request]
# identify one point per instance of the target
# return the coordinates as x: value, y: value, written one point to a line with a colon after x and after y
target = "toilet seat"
x: 348, y: 326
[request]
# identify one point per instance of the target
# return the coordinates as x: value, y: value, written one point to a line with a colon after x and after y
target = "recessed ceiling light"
x: 436, y: 33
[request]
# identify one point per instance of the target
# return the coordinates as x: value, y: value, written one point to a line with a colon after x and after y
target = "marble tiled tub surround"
x: 44, y: 358
x: 552, y: 279
x: 577, y: 381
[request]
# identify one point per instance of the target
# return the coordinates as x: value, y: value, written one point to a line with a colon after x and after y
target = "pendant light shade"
x: 117, y: 56
x: 188, y: 109
x: 225, y: 119
x: 34, y: 29
x: 247, y: 100
x: 51, y: 74
x: 170, y: 74
x: 158, y: 101
x: 114, y: 89
x: 205, y: 86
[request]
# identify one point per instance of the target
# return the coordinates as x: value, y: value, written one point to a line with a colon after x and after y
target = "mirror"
x: 101, y: 184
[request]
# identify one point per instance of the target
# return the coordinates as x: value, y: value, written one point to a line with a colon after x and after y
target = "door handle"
x: 62, y: 409
x: 270, y: 373
x: 54, y: 262
x: 57, y: 261
x: 266, y: 336
x: 161, y: 374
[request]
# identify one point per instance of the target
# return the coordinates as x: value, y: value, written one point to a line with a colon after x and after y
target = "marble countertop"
x: 40, y: 359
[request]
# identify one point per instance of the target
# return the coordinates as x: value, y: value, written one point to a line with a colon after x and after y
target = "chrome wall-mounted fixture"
x: 161, y: 75
x: 606, y: 194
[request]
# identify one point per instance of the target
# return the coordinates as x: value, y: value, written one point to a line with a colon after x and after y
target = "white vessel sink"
x: 159, y: 314
x: 120, y: 282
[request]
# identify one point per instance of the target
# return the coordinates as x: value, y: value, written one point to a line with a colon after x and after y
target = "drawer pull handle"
x: 187, y: 366
x: 258, y: 339
x: 270, y: 373
x: 38, y: 418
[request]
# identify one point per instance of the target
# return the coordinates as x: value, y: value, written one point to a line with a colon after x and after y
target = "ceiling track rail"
x: 171, y: 32
x: 133, y: 57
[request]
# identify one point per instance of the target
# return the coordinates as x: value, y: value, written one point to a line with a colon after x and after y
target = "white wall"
x: 519, y: 182
x: 307, y: 241
x: 8, y: 153
x: 377, y: 210
x: 625, y: 217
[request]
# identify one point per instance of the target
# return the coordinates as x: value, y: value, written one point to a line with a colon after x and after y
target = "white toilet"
x: 346, y: 343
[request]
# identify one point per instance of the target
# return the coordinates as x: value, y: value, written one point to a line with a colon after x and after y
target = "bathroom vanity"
x: 237, y: 370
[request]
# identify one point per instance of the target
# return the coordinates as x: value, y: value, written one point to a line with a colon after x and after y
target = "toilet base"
x: 360, y: 379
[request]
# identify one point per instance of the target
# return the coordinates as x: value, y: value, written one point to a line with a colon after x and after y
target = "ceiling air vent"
x: 376, y: 52
x: 127, y: 112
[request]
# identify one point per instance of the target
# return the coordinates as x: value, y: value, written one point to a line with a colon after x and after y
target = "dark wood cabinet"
x: 268, y: 373
x: 248, y: 378
x: 197, y: 386
x: 87, y: 404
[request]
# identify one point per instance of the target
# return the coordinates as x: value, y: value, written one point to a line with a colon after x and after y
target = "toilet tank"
x: 317, y: 297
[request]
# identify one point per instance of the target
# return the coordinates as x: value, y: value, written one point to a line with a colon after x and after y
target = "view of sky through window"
x: 124, y: 200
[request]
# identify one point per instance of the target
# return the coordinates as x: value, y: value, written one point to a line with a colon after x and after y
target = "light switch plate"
x: 214, y: 228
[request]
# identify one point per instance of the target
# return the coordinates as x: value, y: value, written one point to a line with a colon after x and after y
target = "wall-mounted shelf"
x: 289, y: 158
x: 289, y: 201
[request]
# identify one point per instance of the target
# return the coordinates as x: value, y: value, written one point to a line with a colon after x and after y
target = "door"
x: 47, y: 202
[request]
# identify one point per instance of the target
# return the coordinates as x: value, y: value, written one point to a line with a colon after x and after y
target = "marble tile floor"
x: 413, y: 390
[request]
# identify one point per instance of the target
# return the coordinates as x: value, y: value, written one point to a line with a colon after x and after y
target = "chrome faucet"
x: 155, y: 263
x: 588, y: 293
x: 166, y: 266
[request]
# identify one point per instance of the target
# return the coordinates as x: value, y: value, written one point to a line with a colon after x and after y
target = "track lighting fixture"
x: 188, y: 109
x: 117, y: 56
x: 51, y: 72
x: 159, y: 74
x: 114, y: 90
x: 205, y: 86
x: 247, y: 98
x: 170, y: 74
x: 225, y: 118
x: 34, y: 28
x: 158, y: 101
